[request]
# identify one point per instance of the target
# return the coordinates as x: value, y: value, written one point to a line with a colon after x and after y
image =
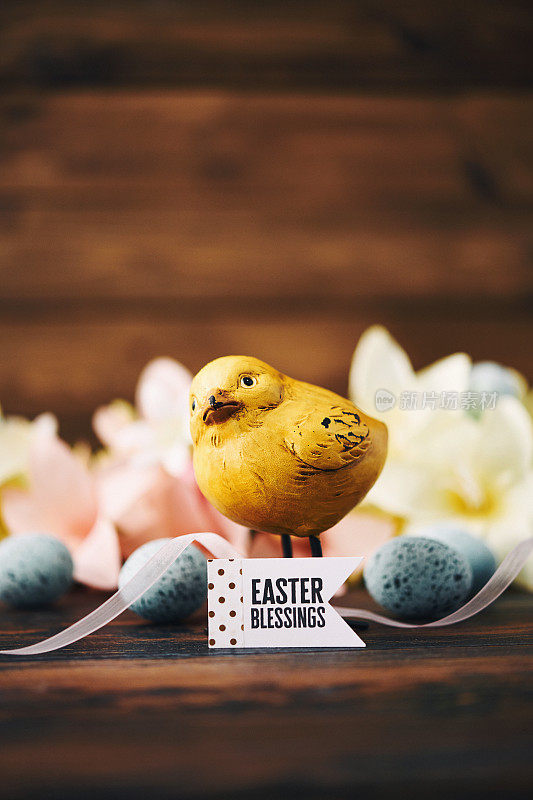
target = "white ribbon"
x: 130, y: 592
x: 495, y: 586
x: 220, y: 548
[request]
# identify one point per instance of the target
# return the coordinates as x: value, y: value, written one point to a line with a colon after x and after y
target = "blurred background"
x: 200, y: 177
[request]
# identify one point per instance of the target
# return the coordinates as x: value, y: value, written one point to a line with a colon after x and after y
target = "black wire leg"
x: 316, y: 546
x: 286, y: 545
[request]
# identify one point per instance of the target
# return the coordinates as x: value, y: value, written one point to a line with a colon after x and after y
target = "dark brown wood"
x: 73, y: 364
x: 195, y: 224
x: 235, y: 199
x: 342, y: 44
x: 138, y: 710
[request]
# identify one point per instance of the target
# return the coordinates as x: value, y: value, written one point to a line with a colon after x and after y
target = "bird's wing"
x: 330, y: 438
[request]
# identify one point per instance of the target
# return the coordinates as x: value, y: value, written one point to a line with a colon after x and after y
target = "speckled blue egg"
x: 489, y: 376
x: 415, y: 577
x: 178, y: 593
x: 34, y: 570
x: 476, y: 552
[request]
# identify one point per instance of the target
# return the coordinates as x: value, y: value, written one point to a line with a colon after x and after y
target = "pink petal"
x: 97, y: 559
x: 268, y: 545
x: 60, y: 499
x: 360, y: 533
x: 145, y: 502
x: 109, y: 421
x: 121, y: 484
x: 20, y: 512
x: 165, y: 506
x: 163, y: 390
x: 61, y: 489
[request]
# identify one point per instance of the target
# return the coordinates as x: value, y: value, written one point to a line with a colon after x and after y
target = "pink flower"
x: 148, y: 503
x: 62, y: 500
x: 156, y: 431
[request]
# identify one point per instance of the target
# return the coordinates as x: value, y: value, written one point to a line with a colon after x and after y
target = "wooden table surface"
x: 138, y: 710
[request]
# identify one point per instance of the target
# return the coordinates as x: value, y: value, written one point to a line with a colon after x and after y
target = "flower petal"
x: 163, y: 390
x: 109, y: 421
x: 378, y: 363
x: 121, y: 484
x: 505, y: 444
x: 358, y: 534
x: 450, y: 374
x: 158, y: 506
x: 61, y: 487
x: 176, y: 458
x: 268, y: 545
x: 20, y: 512
x: 513, y: 526
x: 15, y: 437
x: 403, y: 489
x: 97, y: 559
x: 60, y: 500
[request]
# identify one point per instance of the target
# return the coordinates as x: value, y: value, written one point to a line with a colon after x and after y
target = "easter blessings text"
x: 287, y: 603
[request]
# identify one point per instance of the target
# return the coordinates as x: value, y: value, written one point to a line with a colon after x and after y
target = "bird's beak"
x: 219, y: 408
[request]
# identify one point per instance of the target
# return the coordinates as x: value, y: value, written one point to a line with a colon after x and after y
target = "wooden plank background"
x: 200, y: 178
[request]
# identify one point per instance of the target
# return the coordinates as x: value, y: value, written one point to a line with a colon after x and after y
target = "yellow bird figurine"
x: 279, y: 455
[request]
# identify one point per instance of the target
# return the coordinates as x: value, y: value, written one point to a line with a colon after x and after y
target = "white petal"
x: 446, y: 440
x: 449, y: 374
x: 137, y: 437
x: 109, y: 421
x: 505, y: 443
x: 505, y: 535
x: 45, y: 425
x: 402, y: 489
x: 176, y: 459
x: 163, y: 390
x: 378, y: 363
x: 15, y: 436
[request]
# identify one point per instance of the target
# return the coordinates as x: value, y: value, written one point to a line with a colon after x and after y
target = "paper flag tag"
x: 277, y: 602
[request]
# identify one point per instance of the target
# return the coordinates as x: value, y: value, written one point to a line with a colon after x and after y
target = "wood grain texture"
x: 269, y: 213
x: 343, y: 44
x: 72, y: 364
x: 202, y: 196
x: 138, y: 709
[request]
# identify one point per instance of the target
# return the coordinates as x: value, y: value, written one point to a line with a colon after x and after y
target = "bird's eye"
x: 248, y: 380
x: 193, y: 404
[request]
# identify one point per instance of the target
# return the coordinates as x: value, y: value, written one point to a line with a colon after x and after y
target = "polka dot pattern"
x: 225, y: 614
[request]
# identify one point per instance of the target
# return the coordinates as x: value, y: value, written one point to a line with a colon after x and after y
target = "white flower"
x: 445, y: 465
x: 16, y: 436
